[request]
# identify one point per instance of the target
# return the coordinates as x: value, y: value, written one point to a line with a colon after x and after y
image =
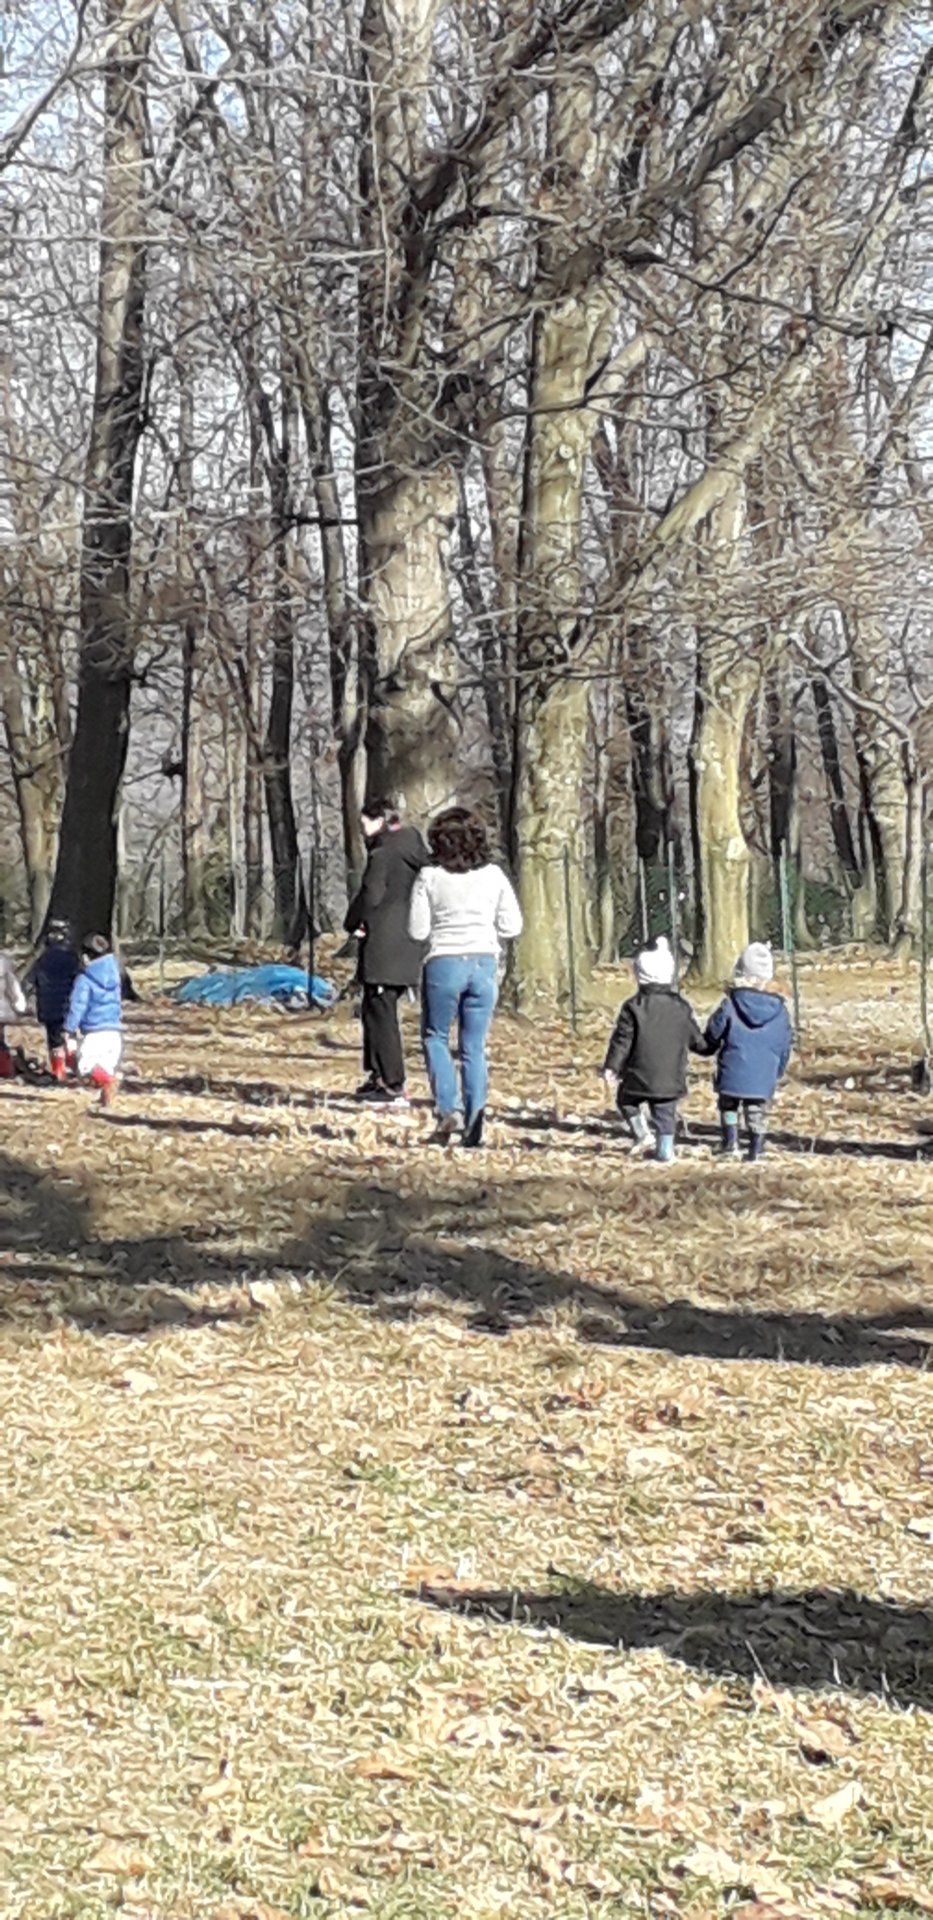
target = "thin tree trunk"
x: 86, y: 874
x: 193, y: 801
x: 839, y: 818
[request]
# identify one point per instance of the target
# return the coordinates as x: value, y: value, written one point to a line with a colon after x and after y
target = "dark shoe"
x: 368, y: 1090
x: 473, y: 1134
x: 756, y: 1147
x: 726, y: 1150
x: 447, y: 1126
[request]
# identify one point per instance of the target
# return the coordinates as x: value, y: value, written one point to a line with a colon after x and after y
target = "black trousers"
x: 663, y: 1114
x: 382, y: 1036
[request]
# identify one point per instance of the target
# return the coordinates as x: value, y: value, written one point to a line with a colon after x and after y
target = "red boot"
x: 58, y: 1064
x: 107, y: 1083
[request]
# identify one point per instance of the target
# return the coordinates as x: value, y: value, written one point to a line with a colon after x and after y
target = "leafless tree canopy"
x: 520, y: 402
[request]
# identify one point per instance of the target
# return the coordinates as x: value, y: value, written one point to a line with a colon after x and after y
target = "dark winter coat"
x: 53, y: 976
x: 751, y: 1033
x: 650, y: 1042
x: 388, y: 955
x: 95, y: 1005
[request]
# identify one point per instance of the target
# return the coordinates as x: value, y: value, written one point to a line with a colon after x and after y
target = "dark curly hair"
x: 459, y: 841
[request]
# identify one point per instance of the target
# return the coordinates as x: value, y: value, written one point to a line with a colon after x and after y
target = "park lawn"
x: 422, y: 1533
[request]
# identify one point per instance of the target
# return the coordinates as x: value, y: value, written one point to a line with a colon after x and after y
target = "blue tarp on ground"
x: 230, y: 987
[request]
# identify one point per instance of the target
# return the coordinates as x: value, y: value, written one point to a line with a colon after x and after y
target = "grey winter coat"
x: 12, y: 997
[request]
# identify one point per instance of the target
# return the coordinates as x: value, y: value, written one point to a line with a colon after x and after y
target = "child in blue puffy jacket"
x: 751, y: 1035
x: 96, y: 1013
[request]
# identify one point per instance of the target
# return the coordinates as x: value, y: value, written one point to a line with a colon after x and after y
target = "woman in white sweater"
x: 464, y: 906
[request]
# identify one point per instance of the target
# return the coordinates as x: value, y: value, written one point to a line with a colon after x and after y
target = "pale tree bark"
x: 194, y: 836
x: 407, y: 487
x: 85, y: 878
x: 726, y: 681
x: 33, y: 679
x: 569, y: 342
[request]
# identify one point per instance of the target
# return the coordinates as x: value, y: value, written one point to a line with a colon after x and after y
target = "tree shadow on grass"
x: 404, y: 1256
x: 702, y: 1133
x: 815, y: 1638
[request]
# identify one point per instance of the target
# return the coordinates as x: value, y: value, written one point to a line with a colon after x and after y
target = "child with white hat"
x: 646, y: 1061
x: 751, y: 1033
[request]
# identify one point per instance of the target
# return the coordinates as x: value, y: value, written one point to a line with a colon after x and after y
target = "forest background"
x: 525, y: 404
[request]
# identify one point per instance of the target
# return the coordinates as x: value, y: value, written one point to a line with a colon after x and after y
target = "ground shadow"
x: 816, y: 1638
x: 403, y: 1256
x: 817, y: 1145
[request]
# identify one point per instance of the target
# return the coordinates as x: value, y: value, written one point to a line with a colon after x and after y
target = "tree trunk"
x: 193, y: 802
x: 414, y: 731
x: 881, y: 757
x: 288, y: 882
x: 250, y: 701
x: 34, y: 765
x: 568, y: 342
x: 839, y: 818
x: 406, y: 489
x: 721, y: 855
x: 85, y: 879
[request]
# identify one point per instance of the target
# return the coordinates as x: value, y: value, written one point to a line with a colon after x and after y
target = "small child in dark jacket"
x: 52, y: 977
x: 647, y: 1054
x: 751, y: 1033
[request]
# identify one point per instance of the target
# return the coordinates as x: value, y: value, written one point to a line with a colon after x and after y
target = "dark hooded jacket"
x: 53, y: 976
x: 651, y: 1039
x: 388, y: 955
x: 751, y: 1033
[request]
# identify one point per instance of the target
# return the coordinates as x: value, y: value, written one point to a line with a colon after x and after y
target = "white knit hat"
x: 756, y: 964
x: 654, y: 966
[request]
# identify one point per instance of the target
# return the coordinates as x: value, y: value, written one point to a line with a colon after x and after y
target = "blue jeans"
x: 462, y: 987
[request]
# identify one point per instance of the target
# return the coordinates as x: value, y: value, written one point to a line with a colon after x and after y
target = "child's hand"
x: 611, y: 1079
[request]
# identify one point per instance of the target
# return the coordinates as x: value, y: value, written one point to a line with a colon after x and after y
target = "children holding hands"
x: 749, y: 1034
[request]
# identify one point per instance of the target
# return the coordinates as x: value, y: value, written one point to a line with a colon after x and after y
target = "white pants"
x: 101, y: 1050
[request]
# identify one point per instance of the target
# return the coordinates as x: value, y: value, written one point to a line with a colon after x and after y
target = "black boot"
x: 473, y: 1134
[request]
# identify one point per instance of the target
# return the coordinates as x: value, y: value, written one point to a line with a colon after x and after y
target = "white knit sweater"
x: 463, y: 912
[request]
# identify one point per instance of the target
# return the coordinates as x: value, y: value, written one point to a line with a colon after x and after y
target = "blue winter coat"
x: 95, y: 1004
x: 751, y: 1033
x: 53, y: 977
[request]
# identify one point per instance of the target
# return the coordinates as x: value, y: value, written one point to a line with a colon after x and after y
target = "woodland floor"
x: 527, y: 1532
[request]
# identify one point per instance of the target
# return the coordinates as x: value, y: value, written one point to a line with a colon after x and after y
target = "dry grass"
x: 527, y: 1532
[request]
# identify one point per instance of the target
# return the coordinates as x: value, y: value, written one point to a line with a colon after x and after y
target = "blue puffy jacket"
x: 751, y: 1033
x: 53, y: 977
x: 96, y: 1001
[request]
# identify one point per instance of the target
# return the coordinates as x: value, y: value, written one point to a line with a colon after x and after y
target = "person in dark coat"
x: 646, y: 1060
x: 51, y: 977
x: 389, y: 959
x: 751, y: 1034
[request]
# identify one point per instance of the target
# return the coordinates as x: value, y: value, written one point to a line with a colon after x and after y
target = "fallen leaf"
x: 894, y: 1888
x: 135, y: 1380
x: 387, y: 1763
x: 336, y: 1884
x: 921, y: 1527
x: 824, y: 1739
x: 642, y: 1461
x: 217, y: 1789
x: 112, y: 1857
x: 715, y: 1865
x: 834, y: 1807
